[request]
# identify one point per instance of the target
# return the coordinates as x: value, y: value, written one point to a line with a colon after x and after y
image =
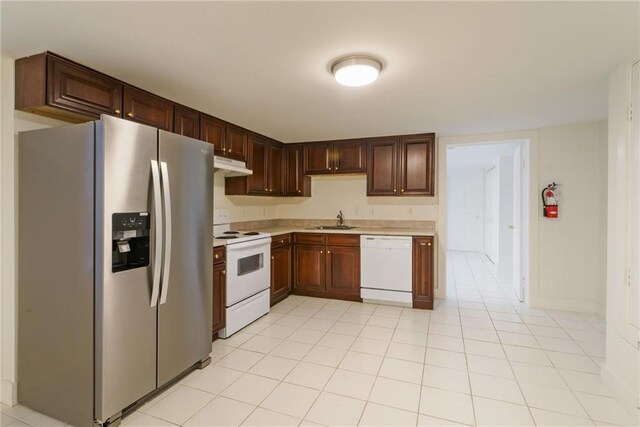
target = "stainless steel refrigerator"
x: 114, y: 268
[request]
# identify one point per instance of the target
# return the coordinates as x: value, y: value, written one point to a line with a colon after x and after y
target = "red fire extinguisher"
x: 550, y: 200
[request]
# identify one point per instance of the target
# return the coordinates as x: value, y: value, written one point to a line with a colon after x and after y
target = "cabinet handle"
x: 281, y: 241
x: 299, y: 191
x: 328, y: 252
x: 224, y: 272
x: 116, y: 111
x: 321, y: 252
x: 272, y: 258
x: 395, y: 190
x: 216, y: 256
x: 402, y: 190
x: 425, y: 244
x: 129, y: 114
x: 329, y: 168
x: 428, y: 244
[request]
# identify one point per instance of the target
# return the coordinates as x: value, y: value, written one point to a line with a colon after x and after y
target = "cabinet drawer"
x: 280, y: 240
x: 219, y: 254
x: 309, y: 238
x: 343, y: 239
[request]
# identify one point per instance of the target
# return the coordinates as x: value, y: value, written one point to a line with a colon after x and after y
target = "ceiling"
x: 452, y: 68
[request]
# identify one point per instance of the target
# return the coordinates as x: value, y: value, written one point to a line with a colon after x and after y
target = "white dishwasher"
x: 385, y: 263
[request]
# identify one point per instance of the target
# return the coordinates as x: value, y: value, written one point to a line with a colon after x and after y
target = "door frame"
x: 491, y: 210
x: 529, y: 142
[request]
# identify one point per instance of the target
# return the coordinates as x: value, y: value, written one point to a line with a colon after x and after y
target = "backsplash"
x: 305, y: 223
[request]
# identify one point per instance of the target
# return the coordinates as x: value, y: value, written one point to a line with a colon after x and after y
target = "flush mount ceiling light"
x: 356, y: 70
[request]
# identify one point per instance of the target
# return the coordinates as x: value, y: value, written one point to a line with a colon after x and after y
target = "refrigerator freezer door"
x: 184, y: 319
x: 125, y: 321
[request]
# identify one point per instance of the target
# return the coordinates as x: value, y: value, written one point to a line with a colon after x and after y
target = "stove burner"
x: 226, y: 237
x: 231, y: 232
x: 251, y: 233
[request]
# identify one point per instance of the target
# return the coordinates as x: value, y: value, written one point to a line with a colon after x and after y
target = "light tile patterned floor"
x: 480, y: 358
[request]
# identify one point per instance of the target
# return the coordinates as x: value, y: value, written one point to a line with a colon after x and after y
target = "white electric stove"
x: 248, y: 273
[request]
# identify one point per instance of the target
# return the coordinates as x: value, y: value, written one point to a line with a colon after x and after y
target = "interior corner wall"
x: 12, y: 123
x: 572, y: 248
x: 243, y: 208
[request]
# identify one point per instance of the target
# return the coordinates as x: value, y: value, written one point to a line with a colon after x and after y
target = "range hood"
x: 230, y: 167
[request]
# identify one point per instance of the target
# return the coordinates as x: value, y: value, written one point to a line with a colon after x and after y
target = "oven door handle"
x: 250, y: 244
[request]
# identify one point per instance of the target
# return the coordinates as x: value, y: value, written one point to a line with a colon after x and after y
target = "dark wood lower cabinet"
x: 219, y: 291
x: 280, y: 273
x: 328, y: 268
x: 423, y: 268
x: 309, y: 269
x: 343, y: 270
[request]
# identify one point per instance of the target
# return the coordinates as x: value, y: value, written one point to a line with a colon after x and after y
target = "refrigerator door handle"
x: 157, y: 213
x: 167, y: 242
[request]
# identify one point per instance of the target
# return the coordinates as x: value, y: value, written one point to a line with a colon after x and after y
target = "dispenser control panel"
x: 130, y: 240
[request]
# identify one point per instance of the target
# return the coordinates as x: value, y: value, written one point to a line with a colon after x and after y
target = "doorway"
x: 486, y: 210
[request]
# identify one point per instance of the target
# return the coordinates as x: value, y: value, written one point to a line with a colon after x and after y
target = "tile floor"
x: 480, y: 358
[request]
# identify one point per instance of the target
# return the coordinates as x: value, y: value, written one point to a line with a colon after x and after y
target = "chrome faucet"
x: 340, y: 219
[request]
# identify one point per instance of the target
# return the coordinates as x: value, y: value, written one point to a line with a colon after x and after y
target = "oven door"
x: 248, y: 269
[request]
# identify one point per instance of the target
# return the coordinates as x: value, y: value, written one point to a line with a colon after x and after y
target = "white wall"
x: 572, y: 248
x: 621, y: 370
x: 566, y: 265
x: 505, y: 220
x: 12, y: 123
x: 465, y: 188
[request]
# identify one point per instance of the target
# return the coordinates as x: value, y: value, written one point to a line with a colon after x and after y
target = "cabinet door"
x: 350, y: 156
x: 275, y: 169
x: 212, y: 130
x: 417, y: 165
x: 343, y: 270
x: 423, y: 272
x: 219, y: 296
x: 280, y: 273
x: 236, y: 142
x: 382, y: 172
x: 296, y: 183
x: 258, y: 149
x: 186, y: 122
x: 309, y: 268
x: 147, y: 108
x: 80, y: 90
x: 318, y: 158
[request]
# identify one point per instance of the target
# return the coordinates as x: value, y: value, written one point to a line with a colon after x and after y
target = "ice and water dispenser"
x: 130, y: 241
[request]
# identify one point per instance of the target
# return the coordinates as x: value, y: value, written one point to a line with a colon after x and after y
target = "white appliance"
x: 385, y: 263
x: 248, y: 273
x: 231, y: 167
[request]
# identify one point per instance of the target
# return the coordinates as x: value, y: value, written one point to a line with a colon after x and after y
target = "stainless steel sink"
x: 332, y: 227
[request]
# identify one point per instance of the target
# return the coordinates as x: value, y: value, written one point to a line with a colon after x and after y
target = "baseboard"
x: 9, y: 393
x: 625, y: 394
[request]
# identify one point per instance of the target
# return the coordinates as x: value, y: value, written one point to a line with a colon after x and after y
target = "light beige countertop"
x: 217, y: 243
x: 384, y: 231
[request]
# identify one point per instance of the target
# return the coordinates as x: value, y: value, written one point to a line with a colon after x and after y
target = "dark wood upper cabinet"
x: 401, y: 166
x: 213, y: 131
x: 350, y: 156
x: 186, y: 121
x: 317, y: 158
x: 296, y: 183
x: 55, y: 87
x: 323, y: 158
x: 275, y: 169
x: 423, y: 268
x: 147, y: 108
x: 417, y: 165
x: 382, y: 173
x: 257, y: 162
x: 236, y: 142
